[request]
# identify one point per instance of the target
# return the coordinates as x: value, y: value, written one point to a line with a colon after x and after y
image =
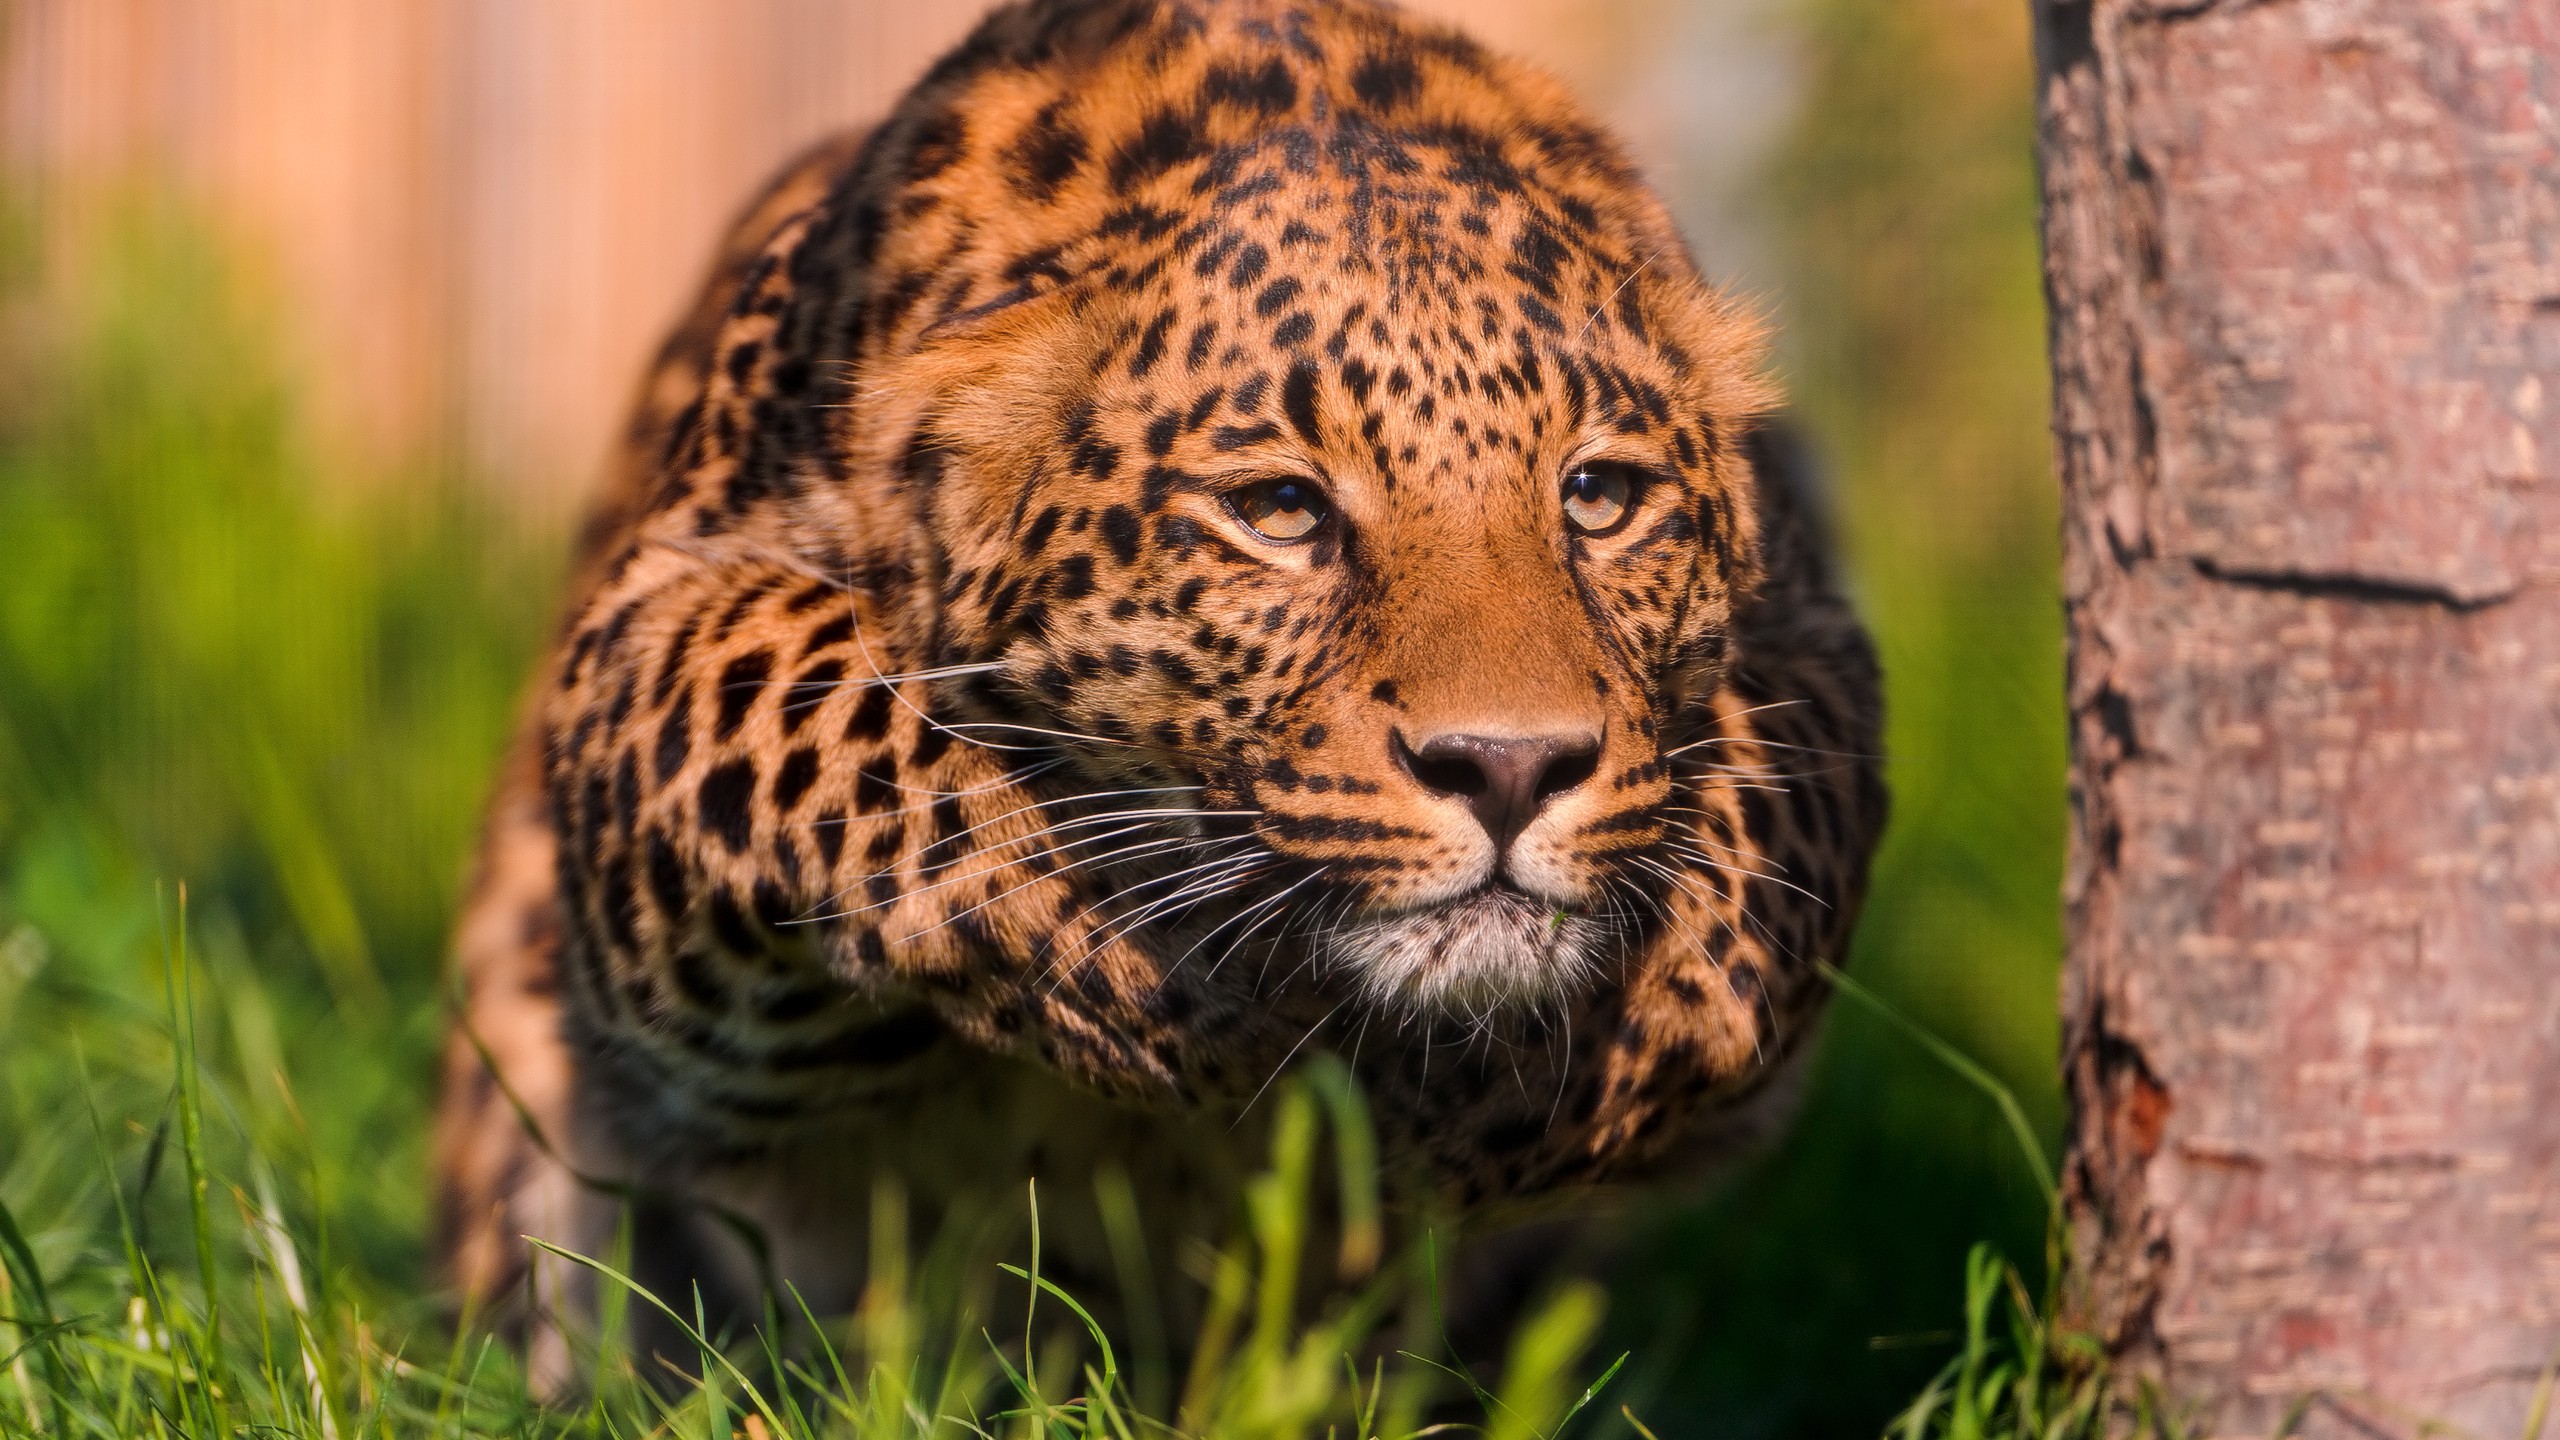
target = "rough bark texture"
x: 2304, y: 264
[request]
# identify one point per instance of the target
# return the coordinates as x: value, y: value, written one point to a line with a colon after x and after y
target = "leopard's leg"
x: 509, y: 1141
x: 525, y: 1150
x: 509, y: 1127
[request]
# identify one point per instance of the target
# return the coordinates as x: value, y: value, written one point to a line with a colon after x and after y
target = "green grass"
x: 188, y: 1290
x: 181, y: 1300
x: 215, y: 668
x: 287, y: 689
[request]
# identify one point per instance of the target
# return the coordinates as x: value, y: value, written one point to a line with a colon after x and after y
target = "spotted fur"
x: 932, y: 762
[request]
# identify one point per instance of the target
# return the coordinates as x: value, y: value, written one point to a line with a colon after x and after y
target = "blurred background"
x: 315, y: 318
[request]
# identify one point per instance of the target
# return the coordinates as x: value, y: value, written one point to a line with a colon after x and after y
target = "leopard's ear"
x: 1723, y: 339
x: 1025, y: 323
x: 1727, y: 338
x: 990, y: 395
x: 994, y: 382
x: 982, y: 318
x: 988, y: 380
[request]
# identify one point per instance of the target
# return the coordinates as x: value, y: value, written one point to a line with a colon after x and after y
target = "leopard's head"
x: 1345, y: 469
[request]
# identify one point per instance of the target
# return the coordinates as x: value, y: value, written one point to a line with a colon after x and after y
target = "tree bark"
x: 2303, y: 259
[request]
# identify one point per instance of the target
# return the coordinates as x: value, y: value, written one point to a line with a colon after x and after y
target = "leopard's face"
x: 1362, y: 499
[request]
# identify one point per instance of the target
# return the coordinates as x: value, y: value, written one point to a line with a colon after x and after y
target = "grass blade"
x: 1963, y: 1065
x: 18, y: 1266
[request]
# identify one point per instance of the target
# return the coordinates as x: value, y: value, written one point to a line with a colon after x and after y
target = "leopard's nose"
x: 1504, y: 780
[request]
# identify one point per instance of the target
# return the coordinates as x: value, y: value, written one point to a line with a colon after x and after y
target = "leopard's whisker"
x: 1173, y: 844
x: 897, y: 689
x: 955, y: 727
x: 1564, y: 1073
x: 1326, y: 921
x: 1775, y: 876
x: 1687, y: 835
x: 1151, y: 812
x: 1204, y: 758
x: 1312, y: 1032
x: 1692, y: 764
x: 1707, y: 903
x: 865, y: 682
x: 992, y: 870
x: 1024, y: 776
x: 1241, y: 865
x: 1119, y: 929
x: 1698, y: 847
x: 1612, y: 299
x: 1004, y: 781
x: 1700, y: 944
x: 1701, y: 769
x: 845, y: 820
x: 1142, y: 847
x: 1141, y: 886
x: 1232, y: 871
x: 1713, y: 716
x: 1279, y: 917
x: 1723, y: 786
x: 1764, y: 743
x: 1266, y: 908
x: 899, y: 692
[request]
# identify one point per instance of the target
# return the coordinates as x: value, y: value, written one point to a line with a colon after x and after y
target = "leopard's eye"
x: 1280, y: 511
x: 1599, y: 495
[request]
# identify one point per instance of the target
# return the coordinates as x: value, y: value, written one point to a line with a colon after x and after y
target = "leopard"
x: 1219, y: 531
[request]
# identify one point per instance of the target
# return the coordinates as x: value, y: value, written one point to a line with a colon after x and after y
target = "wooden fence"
x: 474, y: 216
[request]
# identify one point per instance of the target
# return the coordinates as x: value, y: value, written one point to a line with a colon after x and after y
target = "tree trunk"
x: 2303, y: 258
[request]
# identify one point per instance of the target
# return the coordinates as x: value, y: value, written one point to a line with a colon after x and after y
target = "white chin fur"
x: 1488, y: 952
